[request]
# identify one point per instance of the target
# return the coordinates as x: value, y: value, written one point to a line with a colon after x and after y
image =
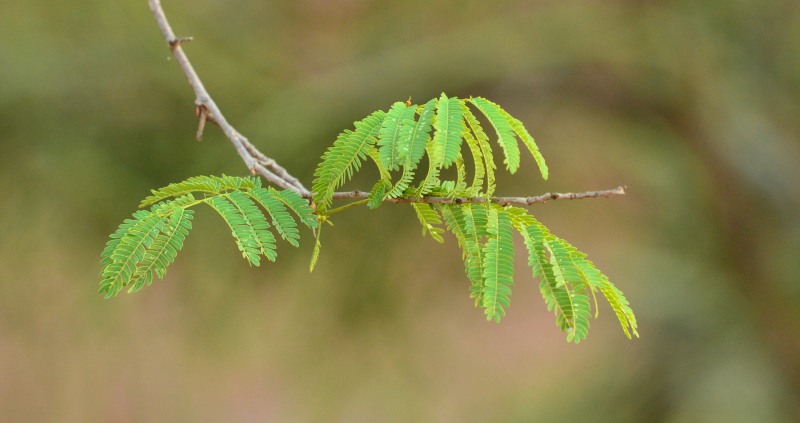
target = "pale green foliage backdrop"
x: 693, y: 105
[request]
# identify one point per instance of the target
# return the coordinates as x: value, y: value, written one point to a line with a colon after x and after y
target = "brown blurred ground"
x: 693, y: 105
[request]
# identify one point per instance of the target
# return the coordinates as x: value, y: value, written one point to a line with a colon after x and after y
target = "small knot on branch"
x: 177, y: 41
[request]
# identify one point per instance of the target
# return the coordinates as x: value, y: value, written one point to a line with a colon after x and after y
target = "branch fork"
x: 259, y: 164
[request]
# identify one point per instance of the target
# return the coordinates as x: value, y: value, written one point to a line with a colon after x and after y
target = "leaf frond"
x: 478, y: 170
x: 243, y: 232
x: 459, y: 188
x: 431, y: 180
x: 211, y: 185
x: 317, y: 247
x: 395, y: 135
x: 271, y: 200
x: 498, y: 265
x: 126, y: 249
x: 460, y: 222
x: 143, y: 246
x: 429, y: 219
x: 418, y: 139
x: 505, y: 133
x: 162, y: 252
x: 379, y: 191
x: 298, y: 205
x: 557, y: 296
x: 487, y: 158
x: 449, y: 126
x: 344, y: 158
x: 527, y: 141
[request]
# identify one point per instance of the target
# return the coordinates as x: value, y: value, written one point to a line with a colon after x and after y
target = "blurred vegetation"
x: 693, y: 105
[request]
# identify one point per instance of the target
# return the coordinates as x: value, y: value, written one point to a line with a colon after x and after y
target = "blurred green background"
x: 695, y: 106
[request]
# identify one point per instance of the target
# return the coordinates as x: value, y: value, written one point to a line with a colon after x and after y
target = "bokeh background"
x: 695, y: 106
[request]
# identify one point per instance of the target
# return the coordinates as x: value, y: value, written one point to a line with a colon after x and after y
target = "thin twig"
x: 259, y: 164
x: 503, y: 201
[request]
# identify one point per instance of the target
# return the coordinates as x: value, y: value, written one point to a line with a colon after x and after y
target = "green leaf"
x: 125, y: 249
x: 460, y: 186
x: 478, y: 170
x: 595, y: 279
x: 419, y: 138
x: 429, y: 218
x: 557, y: 297
x: 505, y: 133
x: 460, y: 221
x: 583, y: 315
x: 487, y: 158
x: 498, y: 265
x: 163, y: 250
x: 420, y: 135
x: 395, y: 135
x: 621, y: 308
x: 143, y: 247
x: 528, y: 141
x: 378, y: 193
x: 431, y: 178
x: 243, y: 232
x: 449, y: 126
x: 298, y: 205
x: 283, y: 222
x: 317, y: 247
x: 344, y: 158
x: 256, y: 221
x: 204, y: 184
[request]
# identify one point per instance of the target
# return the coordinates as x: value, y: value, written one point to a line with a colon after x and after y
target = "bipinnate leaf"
x: 144, y: 246
x: 397, y: 140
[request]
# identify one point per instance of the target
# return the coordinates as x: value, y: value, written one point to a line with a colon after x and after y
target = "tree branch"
x: 207, y: 110
x: 503, y: 201
x: 259, y: 164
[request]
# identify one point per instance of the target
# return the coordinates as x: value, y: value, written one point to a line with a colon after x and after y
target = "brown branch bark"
x: 259, y: 164
x: 207, y: 110
x: 503, y: 201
